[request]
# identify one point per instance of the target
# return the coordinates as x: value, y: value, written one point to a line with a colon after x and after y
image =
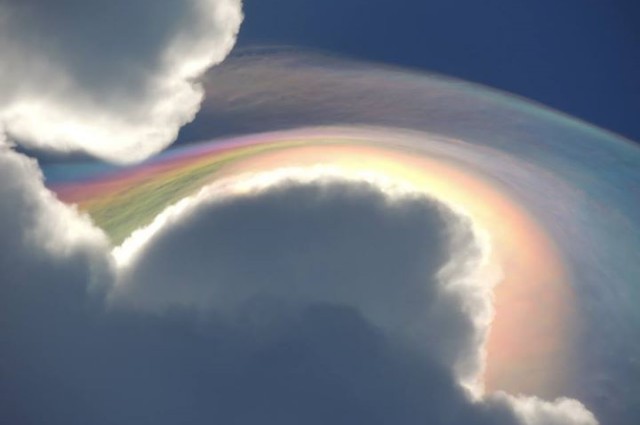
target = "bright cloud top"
x: 114, y: 79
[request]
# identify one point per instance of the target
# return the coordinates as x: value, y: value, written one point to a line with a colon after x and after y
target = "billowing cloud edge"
x: 45, y: 105
x: 468, y: 276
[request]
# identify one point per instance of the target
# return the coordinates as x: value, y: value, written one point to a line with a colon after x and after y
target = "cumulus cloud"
x: 111, y: 78
x: 466, y: 282
x: 35, y: 225
x: 305, y: 303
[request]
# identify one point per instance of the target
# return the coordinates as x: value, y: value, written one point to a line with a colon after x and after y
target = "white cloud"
x: 112, y: 78
x: 34, y: 223
x: 534, y: 411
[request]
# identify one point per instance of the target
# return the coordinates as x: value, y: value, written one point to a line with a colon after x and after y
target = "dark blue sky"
x: 579, y: 56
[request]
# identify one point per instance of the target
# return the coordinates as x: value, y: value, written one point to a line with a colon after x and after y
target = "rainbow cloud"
x: 542, y: 208
x: 379, y: 156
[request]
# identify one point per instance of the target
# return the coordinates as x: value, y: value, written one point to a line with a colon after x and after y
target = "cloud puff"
x: 35, y: 225
x: 466, y: 283
x: 297, y: 245
x: 114, y: 79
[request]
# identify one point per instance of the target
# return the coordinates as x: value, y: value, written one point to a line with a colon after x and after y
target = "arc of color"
x: 527, y: 349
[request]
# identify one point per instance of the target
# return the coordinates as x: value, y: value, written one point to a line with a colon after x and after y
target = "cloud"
x: 466, y: 281
x: 533, y: 411
x: 114, y: 79
x: 297, y: 244
x: 35, y: 225
x: 309, y: 302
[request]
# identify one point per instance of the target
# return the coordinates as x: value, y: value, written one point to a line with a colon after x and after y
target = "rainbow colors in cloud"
x: 122, y: 200
x: 551, y: 200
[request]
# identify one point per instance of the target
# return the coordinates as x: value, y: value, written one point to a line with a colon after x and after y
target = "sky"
x: 579, y: 56
x: 195, y: 230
